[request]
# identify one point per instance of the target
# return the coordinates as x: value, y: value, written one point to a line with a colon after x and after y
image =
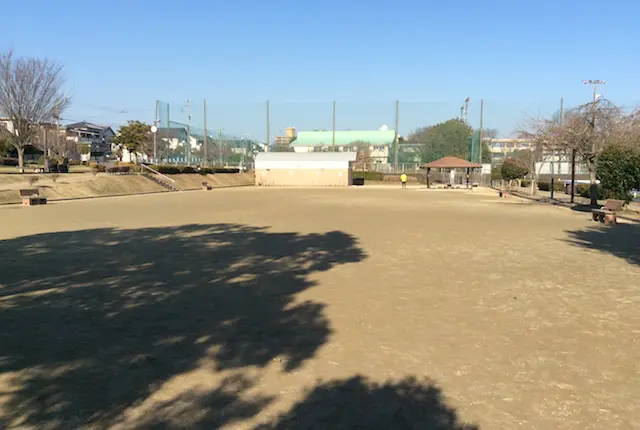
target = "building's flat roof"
x: 306, y: 156
x: 344, y: 137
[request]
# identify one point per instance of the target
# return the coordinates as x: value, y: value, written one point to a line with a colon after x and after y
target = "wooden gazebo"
x: 450, y: 163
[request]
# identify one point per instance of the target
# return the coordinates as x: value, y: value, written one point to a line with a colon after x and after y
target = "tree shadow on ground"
x: 354, y: 403
x: 621, y: 240
x: 95, y: 321
x: 357, y: 403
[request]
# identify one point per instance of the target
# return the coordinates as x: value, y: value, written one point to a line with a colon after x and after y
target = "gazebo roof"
x: 450, y: 163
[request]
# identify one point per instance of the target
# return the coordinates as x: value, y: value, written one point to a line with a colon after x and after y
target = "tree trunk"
x: 20, y: 159
x: 593, y: 187
x: 533, y: 186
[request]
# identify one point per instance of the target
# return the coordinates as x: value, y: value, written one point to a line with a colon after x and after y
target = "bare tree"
x: 363, y: 155
x: 540, y: 133
x: 586, y: 129
x: 56, y: 143
x: 30, y: 95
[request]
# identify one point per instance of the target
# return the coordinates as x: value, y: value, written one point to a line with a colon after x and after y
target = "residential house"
x: 47, y: 132
x: 175, y: 139
x: 97, y: 138
x: 379, y: 143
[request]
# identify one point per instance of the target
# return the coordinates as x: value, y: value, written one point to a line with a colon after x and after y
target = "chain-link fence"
x: 399, y: 135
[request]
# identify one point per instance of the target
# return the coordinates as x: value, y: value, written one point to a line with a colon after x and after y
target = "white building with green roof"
x: 378, y: 142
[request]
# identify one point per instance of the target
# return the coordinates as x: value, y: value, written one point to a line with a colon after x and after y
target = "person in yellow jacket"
x: 403, y: 179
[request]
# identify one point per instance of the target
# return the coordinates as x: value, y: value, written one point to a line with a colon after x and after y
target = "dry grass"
x: 295, y: 309
x: 72, y: 186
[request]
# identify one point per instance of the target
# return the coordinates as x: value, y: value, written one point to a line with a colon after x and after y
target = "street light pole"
x: 595, y: 84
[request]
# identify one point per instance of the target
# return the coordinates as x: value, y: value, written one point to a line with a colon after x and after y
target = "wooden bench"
x: 32, y: 197
x: 607, y: 213
x: 206, y: 186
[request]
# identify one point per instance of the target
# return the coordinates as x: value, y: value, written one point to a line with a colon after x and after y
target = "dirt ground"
x: 357, y: 308
x: 74, y: 186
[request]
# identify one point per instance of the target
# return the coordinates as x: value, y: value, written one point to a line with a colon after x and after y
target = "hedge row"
x: 117, y: 169
x: 8, y: 161
x: 174, y: 170
x: 369, y: 176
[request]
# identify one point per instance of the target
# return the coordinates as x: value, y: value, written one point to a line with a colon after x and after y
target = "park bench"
x: 206, y: 186
x: 607, y: 213
x: 31, y: 197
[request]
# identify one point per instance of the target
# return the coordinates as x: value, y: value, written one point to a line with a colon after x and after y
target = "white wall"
x: 292, y: 165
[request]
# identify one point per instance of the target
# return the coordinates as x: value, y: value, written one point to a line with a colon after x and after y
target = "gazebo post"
x: 468, y: 170
x: 428, y: 174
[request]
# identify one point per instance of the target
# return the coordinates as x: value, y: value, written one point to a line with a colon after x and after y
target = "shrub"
x: 618, y: 169
x: 9, y: 161
x: 189, y: 169
x: 99, y: 168
x: 368, y: 176
x: 513, y: 169
x: 525, y: 183
x: 32, y: 179
x: 117, y: 169
x: 496, y: 173
x: 62, y: 168
x: 584, y: 190
x: 546, y: 186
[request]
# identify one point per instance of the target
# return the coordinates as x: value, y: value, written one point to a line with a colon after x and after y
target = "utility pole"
x: 204, y: 148
x: 395, y: 138
x: 553, y: 154
x: 220, y: 147
x: 188, y: 143
x: 481, y: 130
x: 266, y: 147
x: 333, y: 129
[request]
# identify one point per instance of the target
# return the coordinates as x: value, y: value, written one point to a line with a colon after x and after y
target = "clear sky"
x: 520, y: 57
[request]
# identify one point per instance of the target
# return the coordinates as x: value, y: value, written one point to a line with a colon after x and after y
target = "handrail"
x: 156, y: 172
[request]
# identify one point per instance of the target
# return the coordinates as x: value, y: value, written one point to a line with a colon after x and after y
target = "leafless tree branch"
x: 30, y: 95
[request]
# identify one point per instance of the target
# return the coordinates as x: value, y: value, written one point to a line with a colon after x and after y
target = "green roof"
x: 344, y: 138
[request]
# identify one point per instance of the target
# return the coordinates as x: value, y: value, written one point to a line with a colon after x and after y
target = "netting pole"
x: 155, y: 140
x: 168, y: 125
x: 204, y: 148
x: 188, y: 145
x: 481, y: 131
x: 266, y: 146
x: 333, y: 128
x: 395, y: 139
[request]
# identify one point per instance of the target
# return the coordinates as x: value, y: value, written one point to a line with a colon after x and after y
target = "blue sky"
x: 520, y: 57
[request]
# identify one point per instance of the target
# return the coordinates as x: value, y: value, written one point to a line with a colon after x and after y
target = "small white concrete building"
x: 305, y: 169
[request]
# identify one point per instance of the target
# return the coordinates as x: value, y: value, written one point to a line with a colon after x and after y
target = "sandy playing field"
x: 350, y: 308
